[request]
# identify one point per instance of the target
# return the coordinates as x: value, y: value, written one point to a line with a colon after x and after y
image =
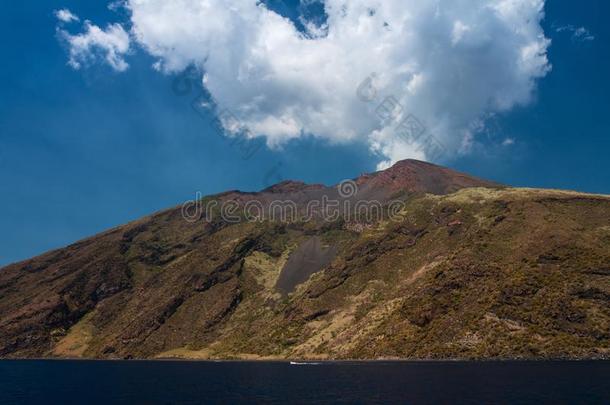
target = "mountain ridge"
x: 469, y: 269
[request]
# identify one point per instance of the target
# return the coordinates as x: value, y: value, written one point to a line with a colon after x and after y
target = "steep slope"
x: 467, y: 270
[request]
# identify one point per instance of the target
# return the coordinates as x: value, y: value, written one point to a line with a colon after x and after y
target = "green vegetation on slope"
x: 481, y: 273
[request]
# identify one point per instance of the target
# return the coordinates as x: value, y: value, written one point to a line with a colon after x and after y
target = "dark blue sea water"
x: 134, y: 382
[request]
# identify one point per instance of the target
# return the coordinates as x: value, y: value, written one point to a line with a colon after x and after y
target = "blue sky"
x: 84, y: 150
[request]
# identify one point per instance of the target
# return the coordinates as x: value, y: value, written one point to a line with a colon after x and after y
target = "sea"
x: 185, y: 382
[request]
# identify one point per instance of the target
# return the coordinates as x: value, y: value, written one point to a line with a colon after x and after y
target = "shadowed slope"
x: 309, y: 258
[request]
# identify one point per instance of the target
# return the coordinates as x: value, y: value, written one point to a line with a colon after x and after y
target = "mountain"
x: 450, y: 266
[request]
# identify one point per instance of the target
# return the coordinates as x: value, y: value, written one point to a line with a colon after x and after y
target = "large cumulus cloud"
x: 450, y: 63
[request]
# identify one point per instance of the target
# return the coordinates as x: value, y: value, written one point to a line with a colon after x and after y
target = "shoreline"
x: 316, y: 362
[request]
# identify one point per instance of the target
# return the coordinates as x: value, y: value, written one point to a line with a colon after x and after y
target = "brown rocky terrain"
x: 469, y: 269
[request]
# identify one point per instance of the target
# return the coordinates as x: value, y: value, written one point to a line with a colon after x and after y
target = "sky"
x: 101, y: 124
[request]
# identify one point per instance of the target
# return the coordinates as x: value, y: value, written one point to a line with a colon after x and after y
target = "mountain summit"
x: 405, y: 179
x: 452, y: 267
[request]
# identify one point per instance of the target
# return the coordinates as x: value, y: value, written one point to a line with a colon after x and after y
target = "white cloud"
x: 448, y: 62
x: 112, y: 44
x: 459, y: 30
x: 579, y: 34
x: 64, y: 15
x: 116, y: 5
x: 508, y: 142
